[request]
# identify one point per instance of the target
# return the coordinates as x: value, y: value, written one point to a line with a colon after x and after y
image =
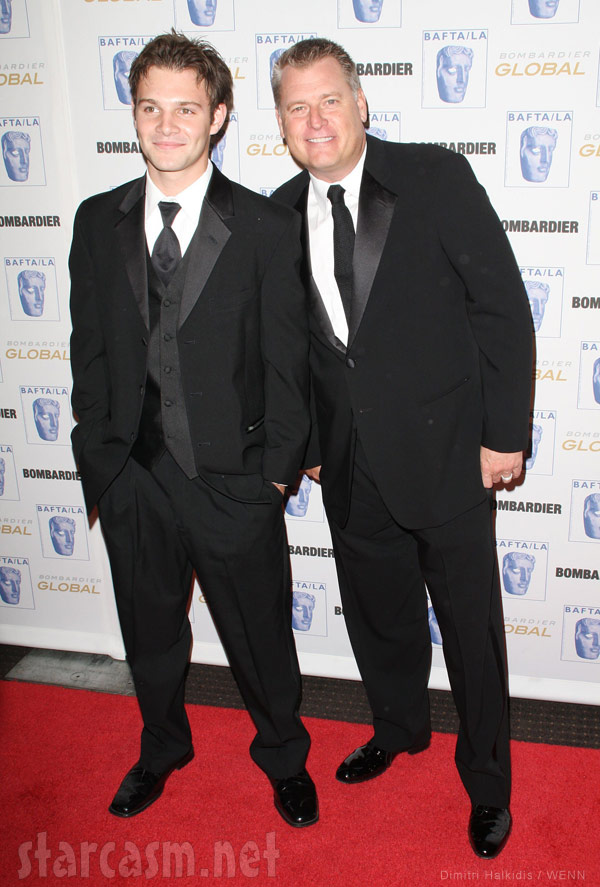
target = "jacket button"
x: 132, y: 436
x: 166, y: 302
x: 167, y: 370
x: 350, y: 363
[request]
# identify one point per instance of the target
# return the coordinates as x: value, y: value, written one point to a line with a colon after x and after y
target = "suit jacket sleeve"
x: 284, y: 345
x: 90, y: 396
x: 474, y: 241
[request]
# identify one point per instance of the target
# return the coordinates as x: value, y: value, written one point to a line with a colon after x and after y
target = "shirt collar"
x: 350, y: 184
x: 190, y: 199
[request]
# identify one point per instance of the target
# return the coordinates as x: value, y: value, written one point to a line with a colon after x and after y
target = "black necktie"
x: 166, y: 254
x: 343, y: 246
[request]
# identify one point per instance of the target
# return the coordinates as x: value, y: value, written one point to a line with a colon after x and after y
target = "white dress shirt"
x: 186, y: 220
x: 320, y: 231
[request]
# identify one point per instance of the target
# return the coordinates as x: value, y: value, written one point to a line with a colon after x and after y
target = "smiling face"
x: 174, y: 124
x: 321, y: 119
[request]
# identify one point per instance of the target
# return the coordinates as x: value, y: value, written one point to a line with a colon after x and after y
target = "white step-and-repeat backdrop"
x: 513, y: 85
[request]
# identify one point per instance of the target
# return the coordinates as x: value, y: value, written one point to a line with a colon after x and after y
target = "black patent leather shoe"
x: 141, y: 787
x: 368, y: 761
x: 296, y: 799
x: 489, y: 828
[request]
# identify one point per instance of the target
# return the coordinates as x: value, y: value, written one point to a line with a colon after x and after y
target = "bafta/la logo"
x: 32, y: 289
x: 538, y: 149
x: 454, y: 69
x: 544, y: 287
x: 544, y: 12
x: 9, y: 489
x: 268, y: 48
x: 117, y: 54
x: 581, y: 634
x: 14, y: 19
x: 22, y: 152
x: 309, y: 607
x: 539, y: 458
x: 523, y: 568
x: 47, y: 414
x: 384, y: 125
x: 305, y: 502
x: 205, y: 15
x: 593, y: 238
x: 584, y: 520
x: 588, y: 389
x: 63, y: 531
x: 369, y: 14
x: 15, y: 583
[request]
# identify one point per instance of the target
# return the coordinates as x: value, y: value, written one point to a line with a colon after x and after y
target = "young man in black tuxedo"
x: 421, y: 374
x: 189, y: 354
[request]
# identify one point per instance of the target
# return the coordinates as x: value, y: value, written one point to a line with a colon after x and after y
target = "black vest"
x: 163, y: 421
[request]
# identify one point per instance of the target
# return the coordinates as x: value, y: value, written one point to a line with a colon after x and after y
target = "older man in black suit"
x: 421, y: 373
x: 189, y: 353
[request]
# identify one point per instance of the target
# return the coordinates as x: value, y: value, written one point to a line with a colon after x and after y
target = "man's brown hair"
x: 176, y: 52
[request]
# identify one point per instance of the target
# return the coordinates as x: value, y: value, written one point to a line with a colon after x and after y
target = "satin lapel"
x: 375, y: 211
x: 132, y: 240
x: 207, y: 243
x: 315, y: 302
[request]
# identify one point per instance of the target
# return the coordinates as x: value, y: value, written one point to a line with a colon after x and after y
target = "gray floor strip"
x: 82, y: 670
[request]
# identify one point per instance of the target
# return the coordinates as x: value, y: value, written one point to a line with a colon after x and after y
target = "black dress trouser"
x: 159, y: 526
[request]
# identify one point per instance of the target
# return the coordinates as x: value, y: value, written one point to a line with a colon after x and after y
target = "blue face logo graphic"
x: 46, y: 413
x: 367, y: 11
x: 122, y: 62
x: 537, y: 293
x: 218, y: 152
x: 10, y: 585
x: 302, y: 610
x: 15, y: 153
x: 516, y: 572
x: 434, y: 629
x: 537, y: 147
x: 596, y: 380
x: 543, y: 8
x: 536, y: 436
x: 453, y: 65
x: 202, y: 12
x: 587, y: 638
x: 5, y: 16
x: 378, y: 132
x: 297, y: 505
x: 591, y: 515
x: 2, y: 472
x: 62, y: 534
x: 32, y: 285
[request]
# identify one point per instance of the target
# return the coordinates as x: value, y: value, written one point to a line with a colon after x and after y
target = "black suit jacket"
x: 242, y: 338
x: 438, y: 360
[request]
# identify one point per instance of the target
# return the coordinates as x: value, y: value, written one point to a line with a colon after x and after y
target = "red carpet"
x: 64, y: 752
